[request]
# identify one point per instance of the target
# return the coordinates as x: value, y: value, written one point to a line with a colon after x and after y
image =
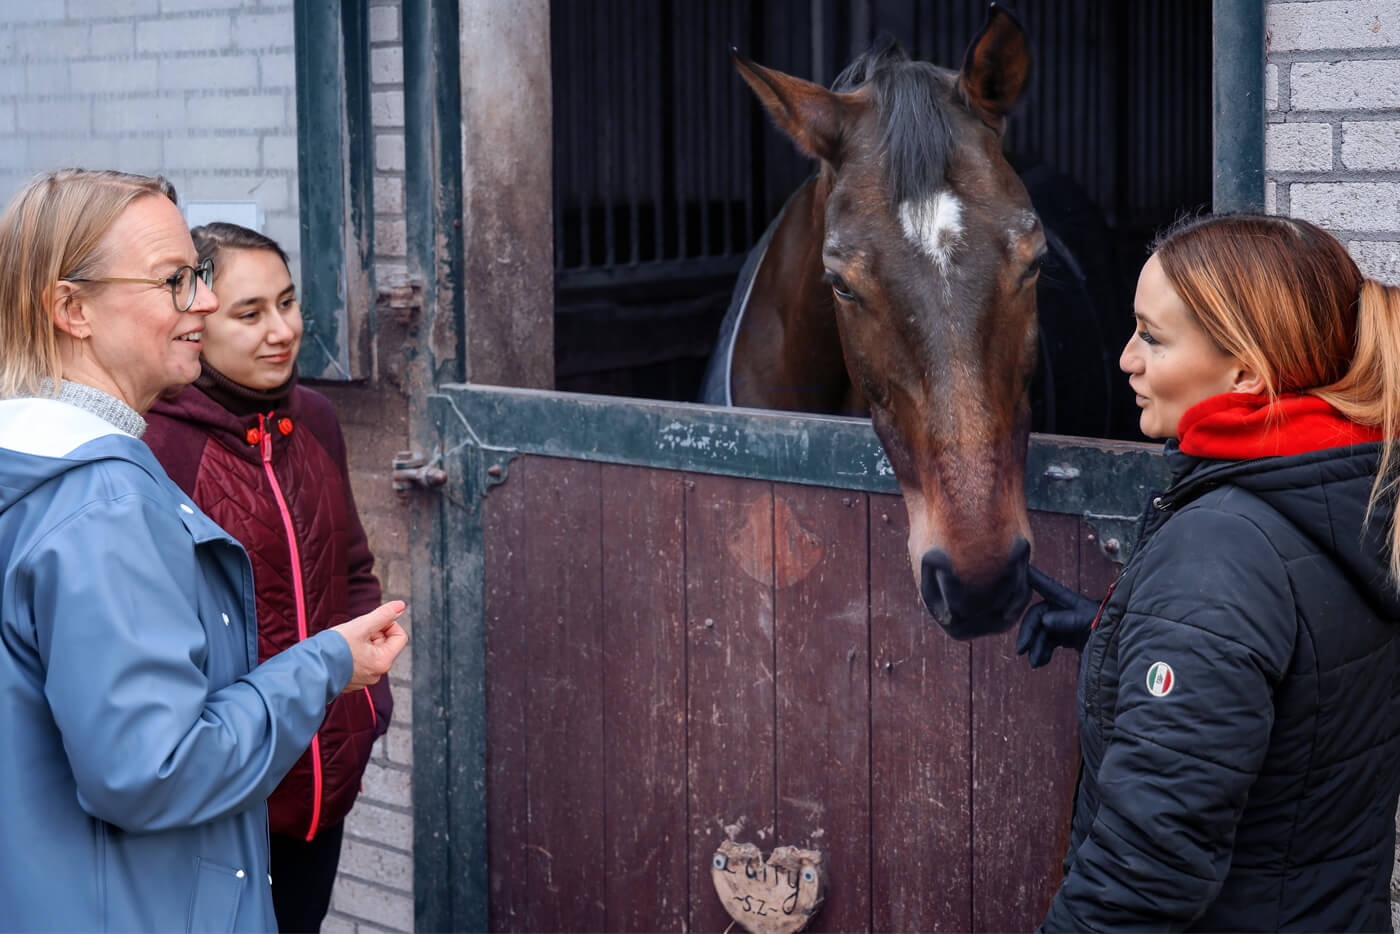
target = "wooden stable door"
x: 673, y: 658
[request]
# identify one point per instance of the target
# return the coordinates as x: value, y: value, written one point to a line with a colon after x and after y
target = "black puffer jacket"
x: 1239, y: 709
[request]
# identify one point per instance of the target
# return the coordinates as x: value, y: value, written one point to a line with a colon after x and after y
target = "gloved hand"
x: 1063, y: 618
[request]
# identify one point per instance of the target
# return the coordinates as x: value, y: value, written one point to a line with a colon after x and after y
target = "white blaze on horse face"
x: 934, y: 225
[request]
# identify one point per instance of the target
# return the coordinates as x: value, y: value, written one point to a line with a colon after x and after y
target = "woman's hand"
x: 376, y: 639
x: 1063, y: 618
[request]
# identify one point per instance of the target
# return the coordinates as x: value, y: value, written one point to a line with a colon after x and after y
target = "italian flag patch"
x: 1160, y: 679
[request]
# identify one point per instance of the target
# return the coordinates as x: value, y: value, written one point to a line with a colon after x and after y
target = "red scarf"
x: 1240, y: 426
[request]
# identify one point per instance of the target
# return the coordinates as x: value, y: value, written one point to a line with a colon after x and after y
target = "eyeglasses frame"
x: 204, y: 272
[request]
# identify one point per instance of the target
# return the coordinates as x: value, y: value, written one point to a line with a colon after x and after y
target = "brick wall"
x: 1332, y: 144
x: 201, y: 91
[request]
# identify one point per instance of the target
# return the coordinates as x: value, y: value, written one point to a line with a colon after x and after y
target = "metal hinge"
x: 412, y: 469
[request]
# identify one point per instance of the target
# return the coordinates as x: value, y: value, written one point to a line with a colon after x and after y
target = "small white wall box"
x: 245, y: 213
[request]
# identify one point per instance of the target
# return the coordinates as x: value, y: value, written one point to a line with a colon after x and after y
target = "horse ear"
x: 806, y: 111
x: 997, y: 66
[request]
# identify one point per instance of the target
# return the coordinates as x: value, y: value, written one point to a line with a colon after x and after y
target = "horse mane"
x: 917, y: 137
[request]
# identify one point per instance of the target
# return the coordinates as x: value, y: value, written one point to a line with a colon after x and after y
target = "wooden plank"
x: 644, y: 857
x: 561, y: 615
x: 730, y: 686
x: 821, y: 625
x: 921, y: 860
x: 506, y: 586
x: 1024, y: 758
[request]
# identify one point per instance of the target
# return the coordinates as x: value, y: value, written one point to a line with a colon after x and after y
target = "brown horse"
x: 901, y: 279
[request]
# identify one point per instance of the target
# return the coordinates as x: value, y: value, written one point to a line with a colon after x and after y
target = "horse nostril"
x: 989, y: 607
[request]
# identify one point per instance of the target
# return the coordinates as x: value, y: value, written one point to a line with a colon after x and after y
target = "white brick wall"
x: 201, y: 91
x: 1332, y: 144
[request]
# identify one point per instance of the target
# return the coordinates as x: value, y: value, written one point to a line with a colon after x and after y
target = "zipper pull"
x: 265, y: 439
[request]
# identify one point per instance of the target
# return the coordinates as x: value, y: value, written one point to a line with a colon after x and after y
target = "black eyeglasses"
x: 183, y: 282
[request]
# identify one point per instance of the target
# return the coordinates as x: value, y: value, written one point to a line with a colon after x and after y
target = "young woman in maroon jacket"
x: 264, y: 457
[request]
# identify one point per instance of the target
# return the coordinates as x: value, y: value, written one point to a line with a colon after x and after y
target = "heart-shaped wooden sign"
x: 774, y: 896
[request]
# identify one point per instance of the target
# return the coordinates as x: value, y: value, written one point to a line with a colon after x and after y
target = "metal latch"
x: 411, y: 469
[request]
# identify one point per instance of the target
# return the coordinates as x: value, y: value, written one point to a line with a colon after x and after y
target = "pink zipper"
x: 266, y: 440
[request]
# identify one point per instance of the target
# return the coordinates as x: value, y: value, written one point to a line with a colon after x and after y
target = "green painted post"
x: 1238, y: 88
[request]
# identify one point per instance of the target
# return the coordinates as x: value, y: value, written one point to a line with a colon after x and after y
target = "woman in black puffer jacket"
x: 1239, y: 706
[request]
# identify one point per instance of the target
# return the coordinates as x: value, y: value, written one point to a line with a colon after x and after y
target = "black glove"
x: 1062, y: 618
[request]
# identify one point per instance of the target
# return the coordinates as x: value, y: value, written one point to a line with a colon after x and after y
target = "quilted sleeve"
x: 1207, y: 633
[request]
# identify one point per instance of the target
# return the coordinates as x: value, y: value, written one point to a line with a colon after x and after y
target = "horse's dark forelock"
x: 910, y: 98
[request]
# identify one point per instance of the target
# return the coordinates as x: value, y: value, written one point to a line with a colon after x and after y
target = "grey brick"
x: 1298, y: 147
x: 50, y: 42
x: 45, y: 79
x: 1271, y: 87
x: 388, y: 785
x: 388, y: 909
x: 1346, y: 85
x: 1379, y: 260
x: 1347, y: 205
x: 279, y: 152
x: 383, y: 24
x: 11, y: 79
x: 110, y: 9
x: 16, y: 12
x: 264, y: 30
x: 260, y: 111
x: 163, y: 36
x: 386, y: 65
x: 398, y: 746
x: 1270, y: 197
x: 112, y: 39
x: 389, y: 271
x: 388, y: 196
x: 1374, y: 145
x: 211, y: 152
x: 279, y: 70
x: 163, y: 112
x: 1336, y: 24
x: 225, y: 71
x: 390, y: 237
x: 336, y: 923
x: 388, y: 152
x: 386, y: 108
x: 122, y: 76
x: 41, y: 117
x: 371, y: 863
x: 371, y: 822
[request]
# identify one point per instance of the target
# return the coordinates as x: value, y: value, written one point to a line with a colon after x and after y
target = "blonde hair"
x: 1284, y: 297
x: 52, y: 230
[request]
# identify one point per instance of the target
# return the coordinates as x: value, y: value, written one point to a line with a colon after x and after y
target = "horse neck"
x: 788, y: 353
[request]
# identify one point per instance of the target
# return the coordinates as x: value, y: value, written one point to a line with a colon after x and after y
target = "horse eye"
x: 1033, y: 268
x: 838, y: 285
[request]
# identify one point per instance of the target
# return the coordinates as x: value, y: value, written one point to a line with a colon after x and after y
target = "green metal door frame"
x: 334, y: 186
x: 1238, y: 86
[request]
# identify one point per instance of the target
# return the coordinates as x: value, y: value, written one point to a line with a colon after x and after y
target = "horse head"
x: 921, y: 257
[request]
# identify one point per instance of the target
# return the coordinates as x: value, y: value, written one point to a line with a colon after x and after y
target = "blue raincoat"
x: 142, y: 737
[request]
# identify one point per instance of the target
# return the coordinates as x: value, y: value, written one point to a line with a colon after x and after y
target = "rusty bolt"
x: 884, y: 517
x: 709, y: 623
x: 494, y: 470
x: 1112, y: 545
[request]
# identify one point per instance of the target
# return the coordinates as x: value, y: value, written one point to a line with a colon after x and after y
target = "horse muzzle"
x: 966, y: 611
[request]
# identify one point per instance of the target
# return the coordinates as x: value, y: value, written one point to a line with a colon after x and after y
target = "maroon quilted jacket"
x: 276, y: 480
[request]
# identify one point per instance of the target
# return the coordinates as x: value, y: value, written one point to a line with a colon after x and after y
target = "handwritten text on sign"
x: 776, y: 896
